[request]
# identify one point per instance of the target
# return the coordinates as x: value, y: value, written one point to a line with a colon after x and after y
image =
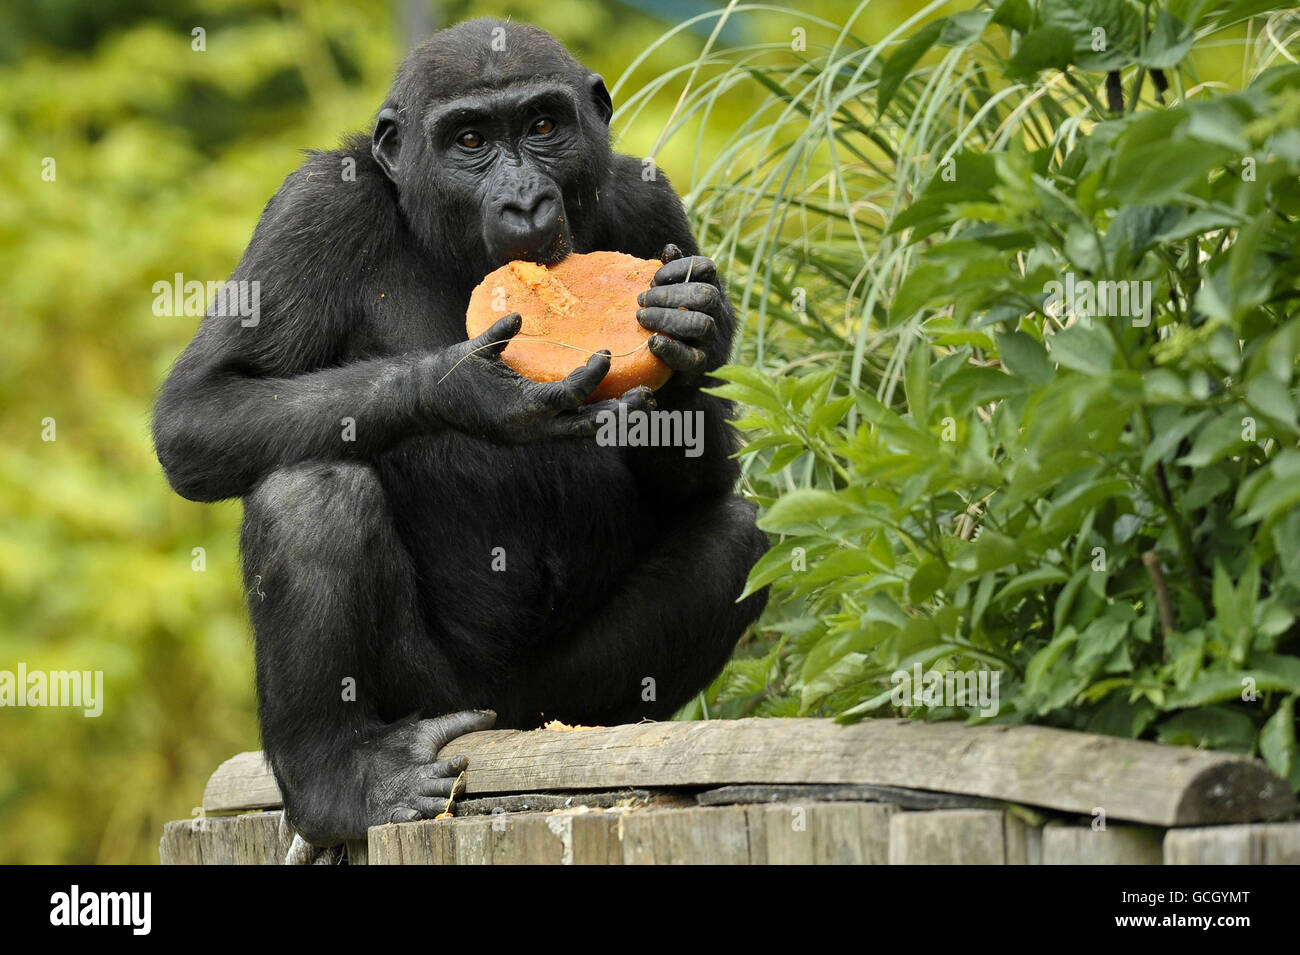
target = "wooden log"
x: 472, y: 840
x: 241, y: 783
x: 1114, y: 845
x: 1260, y: 844
x: 384, y: 844
x: 961, y: 837
x: 550, y: 802
x: 526, y: 838
x: 894, y: 795
x: 262, y: 838
x: 428, y: 842
x: 831, y: 833
x: 597, y: 837
x: 714, y: 835
x: 1057, y: 769
x: 219, y: 840
x: 179, y: 844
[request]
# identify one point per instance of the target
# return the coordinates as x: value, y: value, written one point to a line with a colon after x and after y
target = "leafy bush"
x: 984, y: 465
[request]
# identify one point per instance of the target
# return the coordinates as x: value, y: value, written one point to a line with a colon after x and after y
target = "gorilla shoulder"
x: 640, y: 193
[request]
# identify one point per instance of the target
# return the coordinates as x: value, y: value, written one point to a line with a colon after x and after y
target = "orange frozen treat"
x: 586, y: 301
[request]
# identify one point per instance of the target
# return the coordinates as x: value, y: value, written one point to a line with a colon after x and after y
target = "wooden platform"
x: 797, y: 791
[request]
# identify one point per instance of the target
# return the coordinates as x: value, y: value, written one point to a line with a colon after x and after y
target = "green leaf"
x: 1214, y: 727
x: 1169, y: 42
x: 1042, y: 49
x: 1085, y: 349
x: 902, y: 60
x: 917, y: 383
x: 1270, y: 397
x: 962, y: 29
x: 1216, y: 441
x: 1277, y: 742
x: 1014, y: 15
x: 804, y: 506
x: 1024, y: 357
x: 926, y: 581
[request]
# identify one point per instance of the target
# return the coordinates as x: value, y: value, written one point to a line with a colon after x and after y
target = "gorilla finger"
x: 578, y: 384
x: 499, y: 335
x: 430, y: 807
x: 432, y: 735
x: 678, y: 355
x: 586, y: 421
x: 687, y: 326
x: 445, y: 768
x: 691, y: 268
x: 669, y: 253
x: 440, y: 787
x: 697, y: 296
x: 640, y: 398
x: 404, y: 814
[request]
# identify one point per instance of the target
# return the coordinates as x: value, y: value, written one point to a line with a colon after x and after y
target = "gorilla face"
x: 511, y: 147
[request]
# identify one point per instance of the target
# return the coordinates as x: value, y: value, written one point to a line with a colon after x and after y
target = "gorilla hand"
x: 686, y: 302
x: 469, y: 388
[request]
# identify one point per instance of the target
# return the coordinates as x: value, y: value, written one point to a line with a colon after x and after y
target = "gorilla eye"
x: 544, y: 126
x: 470, y: 140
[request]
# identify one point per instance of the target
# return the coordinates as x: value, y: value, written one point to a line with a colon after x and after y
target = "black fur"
x: 371, y: 560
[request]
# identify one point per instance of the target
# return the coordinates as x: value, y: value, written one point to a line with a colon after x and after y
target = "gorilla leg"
x: 331, y: 593
x: 663, y: 634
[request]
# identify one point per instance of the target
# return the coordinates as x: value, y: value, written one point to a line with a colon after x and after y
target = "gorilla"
x: 431, y: 542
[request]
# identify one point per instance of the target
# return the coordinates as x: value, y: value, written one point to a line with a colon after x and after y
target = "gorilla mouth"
x: 552, y: 253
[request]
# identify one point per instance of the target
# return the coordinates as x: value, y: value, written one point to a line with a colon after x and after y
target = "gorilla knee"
x: 305, y: 503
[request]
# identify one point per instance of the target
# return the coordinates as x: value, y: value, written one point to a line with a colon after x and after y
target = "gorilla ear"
x: 600, y: 96
x: 387, y: 142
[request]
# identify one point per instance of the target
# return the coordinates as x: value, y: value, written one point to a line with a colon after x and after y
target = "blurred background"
x: 164, y: 156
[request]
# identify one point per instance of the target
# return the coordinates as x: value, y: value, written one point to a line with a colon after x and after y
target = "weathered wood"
x: 714, y: 835
x: 827, y: 833
x: 384, y: 844
x: 1114, y: 845
x: 550, y: 802
x: 961, y: 837
x: 597, y: 837
x: 527, y: 838
x: 179, y: 844
x: 218, y: 840
x: 472, y: 840
x: 241, y: 783
x: 261, y: 838
x: 1136, y: 781
x: 752, y: 794
x: 1260, y: 844
x: 1058, y: 769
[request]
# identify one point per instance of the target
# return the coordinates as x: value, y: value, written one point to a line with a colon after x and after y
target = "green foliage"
x: 1093, y: 495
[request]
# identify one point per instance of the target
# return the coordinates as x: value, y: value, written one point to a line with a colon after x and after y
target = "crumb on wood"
x: 558, y: 727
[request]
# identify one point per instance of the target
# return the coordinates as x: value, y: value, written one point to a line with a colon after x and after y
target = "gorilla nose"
x: 527, y: 228
x: 540, y: 215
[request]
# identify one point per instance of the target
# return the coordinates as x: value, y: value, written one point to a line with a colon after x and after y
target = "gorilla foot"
x: 405, y: 780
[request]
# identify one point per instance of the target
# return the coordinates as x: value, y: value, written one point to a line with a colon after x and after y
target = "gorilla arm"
x: 243, y: 401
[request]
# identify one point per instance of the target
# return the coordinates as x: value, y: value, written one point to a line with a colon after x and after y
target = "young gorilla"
x: 372, y: 549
